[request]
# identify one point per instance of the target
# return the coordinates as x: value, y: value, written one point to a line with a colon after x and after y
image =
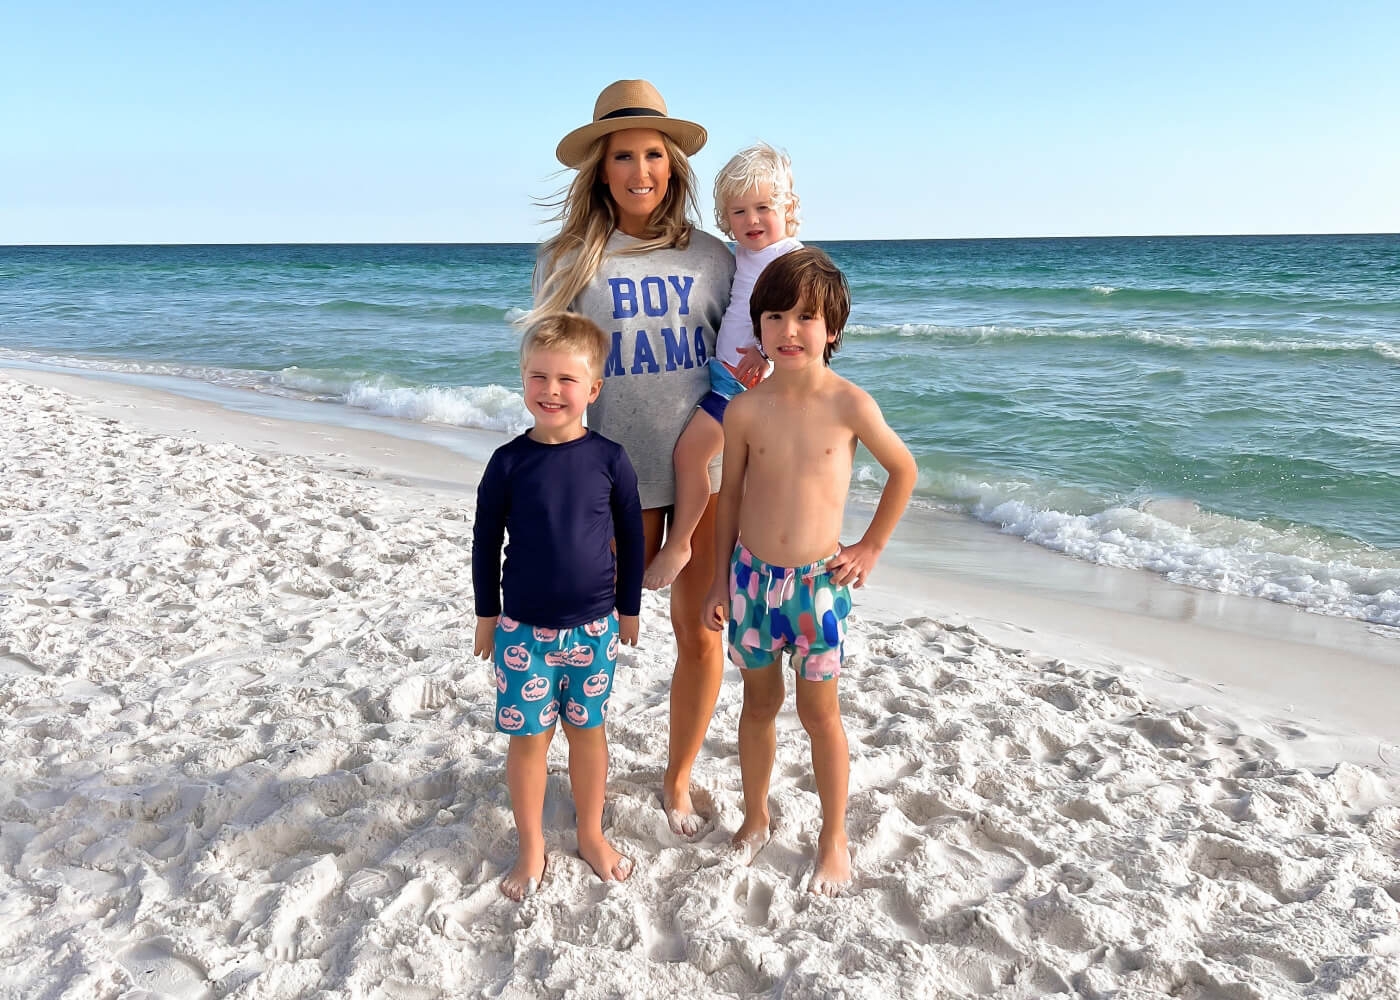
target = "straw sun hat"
x: 623, y: 105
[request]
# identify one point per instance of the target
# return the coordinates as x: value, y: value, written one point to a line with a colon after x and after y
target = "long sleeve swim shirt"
x: 557, y: 508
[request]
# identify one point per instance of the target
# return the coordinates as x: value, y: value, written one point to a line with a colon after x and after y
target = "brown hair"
x: 570, y: 333
x: 806, y: 279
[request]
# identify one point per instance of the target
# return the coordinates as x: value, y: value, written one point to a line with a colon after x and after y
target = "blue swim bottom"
x: 773, y: 608
x: 724, y: 386
x: 543, y: 673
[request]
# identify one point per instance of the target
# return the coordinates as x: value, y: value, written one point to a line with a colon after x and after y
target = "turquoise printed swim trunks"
x: 543, y: 673
x: 773, y: 608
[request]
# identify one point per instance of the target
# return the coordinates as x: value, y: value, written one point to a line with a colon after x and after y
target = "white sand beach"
x: 245, y: 752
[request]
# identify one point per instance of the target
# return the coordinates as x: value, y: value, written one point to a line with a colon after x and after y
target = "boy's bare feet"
x: 832, y: 873
x: 525, y: 878
x: 666, y: 565
x: 749, y: 839
x: 607, y: 862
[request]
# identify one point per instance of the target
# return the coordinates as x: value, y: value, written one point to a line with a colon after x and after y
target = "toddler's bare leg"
x: 820, y: 711
x: 526, y: 775
x: 588, y: 773
x: 758, y: 743
x: 701, y: 441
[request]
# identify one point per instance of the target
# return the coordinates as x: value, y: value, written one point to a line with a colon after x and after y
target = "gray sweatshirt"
x: 662, y: 310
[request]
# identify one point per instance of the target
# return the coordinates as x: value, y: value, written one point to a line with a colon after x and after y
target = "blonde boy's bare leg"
x: 696, y: 679
x: 588, y: 774
x: 758, y: 743
x: 820, y: 711
x: 701, y: 441
x: 526, y: 775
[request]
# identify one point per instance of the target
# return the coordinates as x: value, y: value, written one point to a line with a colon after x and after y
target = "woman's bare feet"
x: 607, y: 862
x: 525, y: 878
x: 832, y: 872
x: 681, y: 814
x: 749, y: 839
x: 667, y: 565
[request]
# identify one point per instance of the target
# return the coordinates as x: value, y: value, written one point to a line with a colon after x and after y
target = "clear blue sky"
x: 264, y: 122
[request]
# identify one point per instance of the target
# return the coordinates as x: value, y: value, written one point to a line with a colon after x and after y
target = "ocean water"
x: 1223, y: 411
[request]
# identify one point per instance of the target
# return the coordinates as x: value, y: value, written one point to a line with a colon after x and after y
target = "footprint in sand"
x: 298, y: 903
x: 756, y: 898
x: 155, y: 967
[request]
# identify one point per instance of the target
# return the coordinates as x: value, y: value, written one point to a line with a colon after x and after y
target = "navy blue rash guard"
x: 562, y: 505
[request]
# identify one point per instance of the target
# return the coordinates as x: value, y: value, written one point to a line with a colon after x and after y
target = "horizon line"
x: 815, y: 240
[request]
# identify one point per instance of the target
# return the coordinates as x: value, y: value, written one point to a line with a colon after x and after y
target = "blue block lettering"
x: 643, y: 358
x: 683, y: 284
x: 702, y: 356
x: 624, y: 293
x: 614, y: 365
x: 654, y: 302
x: 677, y: 349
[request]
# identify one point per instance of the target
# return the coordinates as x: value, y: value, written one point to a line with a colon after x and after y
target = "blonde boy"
x: 782, y: 575
x: 756, y: 206
x: 551, y: 618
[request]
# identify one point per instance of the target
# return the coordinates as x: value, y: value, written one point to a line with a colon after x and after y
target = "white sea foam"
x: 1217, y: 553
x: 228, y: 377
x: 1102, y: 289
x: 491, y: 407
x: 993, y: 332
x: 1184, y: 543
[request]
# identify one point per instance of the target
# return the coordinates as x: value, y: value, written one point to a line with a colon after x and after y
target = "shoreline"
x: 246, y: 755
x: 1255, y: 656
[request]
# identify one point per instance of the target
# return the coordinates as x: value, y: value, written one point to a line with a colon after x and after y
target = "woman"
x: 628, y: 257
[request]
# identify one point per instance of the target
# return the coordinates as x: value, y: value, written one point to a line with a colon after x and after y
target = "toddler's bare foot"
x: 525, y: 878
x: 607, y: 862
x: 749, y: 839
x: 667, y: 565
x: 681, y: 814
x: 832, y: 872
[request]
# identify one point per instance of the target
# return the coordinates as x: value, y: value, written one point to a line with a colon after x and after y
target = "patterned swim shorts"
x: 773, y: 608
x: 543, y: 673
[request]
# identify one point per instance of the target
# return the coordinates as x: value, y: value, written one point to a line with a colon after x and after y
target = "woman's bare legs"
x: 699, y: 667
x: 702, y: 440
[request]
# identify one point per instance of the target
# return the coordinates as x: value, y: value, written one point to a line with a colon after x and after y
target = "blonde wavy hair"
x: 588, y: 217
x: 748, y: 170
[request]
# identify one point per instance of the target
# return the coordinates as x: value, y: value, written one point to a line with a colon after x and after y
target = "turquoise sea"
x: 1223, y: 411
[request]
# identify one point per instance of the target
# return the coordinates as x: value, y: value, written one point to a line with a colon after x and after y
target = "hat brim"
x: 573, y: 148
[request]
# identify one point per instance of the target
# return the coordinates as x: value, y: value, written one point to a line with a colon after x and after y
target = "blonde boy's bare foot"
x: 666, y: 565
x: 749, y: 839
x: 607, y: 862
x: 525, y: 878
x: 832, y: 872
x: 681, y: 814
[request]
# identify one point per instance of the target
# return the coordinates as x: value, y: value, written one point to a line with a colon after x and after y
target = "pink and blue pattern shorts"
x: 773, y: 608
x: 543, y: 673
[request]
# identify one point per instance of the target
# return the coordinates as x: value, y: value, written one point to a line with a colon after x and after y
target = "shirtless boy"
x: 783, y: 577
